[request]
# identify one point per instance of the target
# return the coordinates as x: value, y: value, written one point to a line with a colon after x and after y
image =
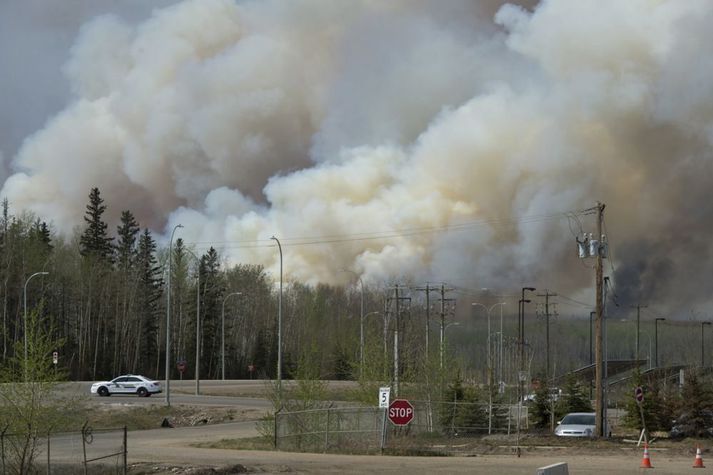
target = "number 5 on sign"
x: 384, y: 397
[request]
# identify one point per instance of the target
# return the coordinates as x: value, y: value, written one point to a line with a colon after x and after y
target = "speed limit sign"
x: 384, y: 397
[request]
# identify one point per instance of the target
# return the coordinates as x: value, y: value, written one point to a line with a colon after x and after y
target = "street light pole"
x: 656, y: 339
x: 24, y: 297
x: 279, y: 329
x: 500, y: 359
x: 703, y: 363
x: 222, y: 334
x: 168, y: 317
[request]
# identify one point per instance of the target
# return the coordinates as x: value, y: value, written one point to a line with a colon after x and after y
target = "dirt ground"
x: 173, y: 451
x: 176, y: 451
x: 220, y: 461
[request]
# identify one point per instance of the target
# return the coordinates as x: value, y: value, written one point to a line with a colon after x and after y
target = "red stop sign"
x: 400, y: 412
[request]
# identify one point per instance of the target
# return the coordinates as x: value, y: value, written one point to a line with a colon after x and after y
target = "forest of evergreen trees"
x: 104, y: 298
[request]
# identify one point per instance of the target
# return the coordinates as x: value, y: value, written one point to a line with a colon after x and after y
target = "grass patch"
x: 136, y: 417
x: 248, y: 443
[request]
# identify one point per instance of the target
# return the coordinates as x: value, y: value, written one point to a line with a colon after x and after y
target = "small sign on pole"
x: 639, y: 394
x: 384, y: 394
x: 55, y: 357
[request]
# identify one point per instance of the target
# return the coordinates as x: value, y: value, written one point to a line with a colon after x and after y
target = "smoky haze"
x: 351, y: 125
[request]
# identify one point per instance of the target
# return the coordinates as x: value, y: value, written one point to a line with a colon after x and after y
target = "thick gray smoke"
x: 325, y: 120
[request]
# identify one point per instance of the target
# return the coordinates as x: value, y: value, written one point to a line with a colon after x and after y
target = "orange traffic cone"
x: 646, y: 461
x: 699, y: 460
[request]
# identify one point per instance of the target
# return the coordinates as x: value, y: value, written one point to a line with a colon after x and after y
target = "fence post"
x: 84, y: 445
x: 326, y: 433
x: 126, y: 451
x: 277, y: 413
x: 490, y: 411
x: 509, y: 416
x: 2, y: 446
x: 48, y: 451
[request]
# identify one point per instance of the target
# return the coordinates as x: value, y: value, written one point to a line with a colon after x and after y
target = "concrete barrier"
x: 554, y: 469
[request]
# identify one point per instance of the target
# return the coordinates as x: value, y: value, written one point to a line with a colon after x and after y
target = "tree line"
x: 105, y: 294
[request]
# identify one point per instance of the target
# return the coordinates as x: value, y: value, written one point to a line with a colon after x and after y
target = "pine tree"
x: 40, y: 234
x: 463, y: 410
x: 148, y: 307
x: 695, y: 413
x: 574, y: 397
x: 127, y: 231
x: 649, y: 406
x: 94, y: 241
x: 211, y: 300
x: 541, y: 409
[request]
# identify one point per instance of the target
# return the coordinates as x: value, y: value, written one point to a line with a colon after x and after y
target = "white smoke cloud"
x: 318, y: 120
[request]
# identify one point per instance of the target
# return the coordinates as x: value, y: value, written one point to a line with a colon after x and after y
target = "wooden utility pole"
x: 547, y: 296
x: 443, y: 322
x: 428, y: 289
x: 598, y: 384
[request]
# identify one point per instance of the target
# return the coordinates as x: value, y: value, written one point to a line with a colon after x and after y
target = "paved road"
x: 243, y: 393
x: 213, y: 393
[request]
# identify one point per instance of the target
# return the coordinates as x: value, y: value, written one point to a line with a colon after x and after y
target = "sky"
x: 409, y: 140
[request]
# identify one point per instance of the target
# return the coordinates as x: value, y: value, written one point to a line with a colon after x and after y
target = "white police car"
x: 127, y: 384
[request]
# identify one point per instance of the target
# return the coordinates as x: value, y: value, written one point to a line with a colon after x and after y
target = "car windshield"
x: 578, y: 419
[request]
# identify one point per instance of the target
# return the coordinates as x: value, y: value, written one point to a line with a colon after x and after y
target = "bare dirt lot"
x: 175, y: 451
x: 281, y: 462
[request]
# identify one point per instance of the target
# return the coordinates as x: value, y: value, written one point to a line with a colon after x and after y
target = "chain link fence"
x: 89, y: 451
x: 368, y: 430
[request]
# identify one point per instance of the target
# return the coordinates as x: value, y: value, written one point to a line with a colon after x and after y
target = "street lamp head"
x: 660, y: 319
x: 531, y: 289
x: 525, y: 300
x: 179, y: 225
x: 705, y: 323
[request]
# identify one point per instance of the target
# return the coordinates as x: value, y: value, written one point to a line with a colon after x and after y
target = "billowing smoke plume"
x: 355, y: 124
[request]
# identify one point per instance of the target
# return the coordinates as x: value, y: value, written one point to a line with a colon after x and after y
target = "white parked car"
x: 127, y: 384
x: 576, y: 424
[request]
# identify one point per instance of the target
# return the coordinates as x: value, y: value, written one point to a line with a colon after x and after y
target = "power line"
x: 376, y: 235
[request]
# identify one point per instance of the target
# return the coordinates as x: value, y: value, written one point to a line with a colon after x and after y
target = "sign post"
x: 182, y: 366
x: 639, y: 396
x: 384, y: 395
x: 400, y: 412
x: 55, y: 358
